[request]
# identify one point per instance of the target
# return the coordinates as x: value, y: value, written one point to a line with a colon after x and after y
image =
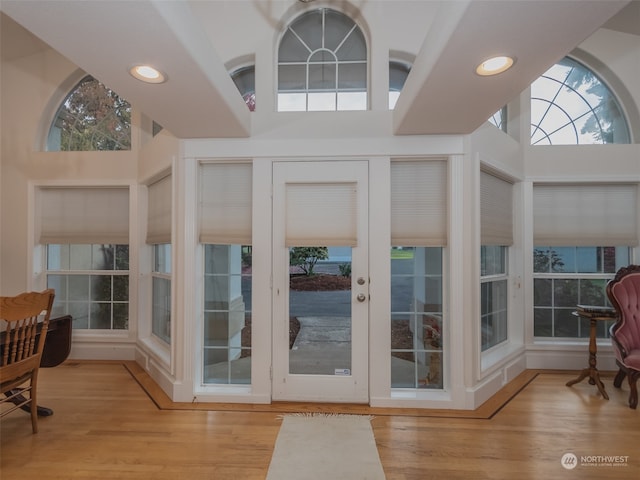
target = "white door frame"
x: 353, y: 387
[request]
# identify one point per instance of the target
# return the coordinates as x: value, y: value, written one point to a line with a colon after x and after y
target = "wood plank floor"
x: 106, y: 426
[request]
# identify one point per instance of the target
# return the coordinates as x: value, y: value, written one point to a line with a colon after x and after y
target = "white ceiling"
x: 442, y: 95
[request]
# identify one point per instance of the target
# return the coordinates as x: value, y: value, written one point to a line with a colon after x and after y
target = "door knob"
x: 361, y: 297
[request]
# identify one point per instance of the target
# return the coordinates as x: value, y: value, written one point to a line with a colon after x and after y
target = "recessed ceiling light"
x: 494, y: 65
x: 147, y: 74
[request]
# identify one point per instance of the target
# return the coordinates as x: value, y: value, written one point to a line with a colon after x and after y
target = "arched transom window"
x: 570, y: 105
x: 245, y: 80
x: 398, y: 73
x: 91, y: 117
x: 322, y: 64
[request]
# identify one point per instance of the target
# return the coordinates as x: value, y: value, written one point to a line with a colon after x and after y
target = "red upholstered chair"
x: 624, y: 293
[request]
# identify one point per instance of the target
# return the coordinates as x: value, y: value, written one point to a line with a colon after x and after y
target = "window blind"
x: 321, y: 214
x: 418, y: 203
x: 225, y: 203
x: 496, y: 210
x: 585, y: 215
x: 83, y: 215
x: 159, y: 212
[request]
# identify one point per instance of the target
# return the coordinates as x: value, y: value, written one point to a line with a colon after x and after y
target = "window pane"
x: 337, y: 28
x: 161, y: 309
x: 398, y: 73
x: 322, y: 76
x: 493, y: 313
x: 592, y: 292
x: 121, y: 288
x: 292, y: 102
x: 352, y: 101
x: 493, y: 260
x: 542, y: 293
x: 565, y: 323
x: 57, y: 257
x: 245, y: 80
x: 352, y: 76
x: 309, y: 27
x: 227, y: 314
x: 416, y: 317
x: 543, y: 322
x: 101, y: 288
x: 292, y: 77
x: 80, y: 257
x: 565, y: 293
x: 122, y: 257
x: 79, y: 287
x: 393, y: 99
x: 322, y: 102
x: 102, y: 257
x: 499, y: 119
x: 80, y: 313
x: 120, y: 316
x: 59, y: 284
x: 100, y: 316
x: 216, y: 329
x: 353, y: 48
x: 162, y: 258
x: 292, y: 49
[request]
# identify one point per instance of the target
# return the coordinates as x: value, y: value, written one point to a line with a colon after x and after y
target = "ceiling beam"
x: 444, y: 95
x: 105, y: 38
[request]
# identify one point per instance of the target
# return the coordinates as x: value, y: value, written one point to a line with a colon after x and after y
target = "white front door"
x: 320, y: 207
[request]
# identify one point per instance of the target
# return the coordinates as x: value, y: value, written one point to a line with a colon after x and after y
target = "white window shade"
x: 159, y: 212
x: 83, y: 215
x: 225, y: 203
x: 496, y: 210
x: 585, y: 215
x: 419, y: 203
x: 321, y: 214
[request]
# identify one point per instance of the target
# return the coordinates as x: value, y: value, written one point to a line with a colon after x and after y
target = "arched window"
x: 570, y: 105
x: 91, y: 117
x: 245, y: 80
x: 499, y: 119
x: 322, y: 64
x: 398, y: 73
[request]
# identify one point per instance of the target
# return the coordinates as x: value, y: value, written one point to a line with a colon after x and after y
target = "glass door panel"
x: 320, y: 310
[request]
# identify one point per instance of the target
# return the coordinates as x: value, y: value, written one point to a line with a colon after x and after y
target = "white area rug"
x: 325, y: 447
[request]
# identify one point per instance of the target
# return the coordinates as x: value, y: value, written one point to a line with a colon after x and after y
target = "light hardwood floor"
x: 106, y: 426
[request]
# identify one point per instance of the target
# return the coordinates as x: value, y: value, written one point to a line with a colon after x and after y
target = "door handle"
x: 361, y: 297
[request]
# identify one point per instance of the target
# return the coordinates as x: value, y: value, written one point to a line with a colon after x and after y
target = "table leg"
x: 591, y: 371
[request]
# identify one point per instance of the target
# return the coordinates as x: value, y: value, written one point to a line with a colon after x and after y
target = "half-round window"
x: 499, y: 119
x: 398, y: 73
x: 245, y: 80
x: 322, y: 64
x: 570, y: 105
x: 91, y: 117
